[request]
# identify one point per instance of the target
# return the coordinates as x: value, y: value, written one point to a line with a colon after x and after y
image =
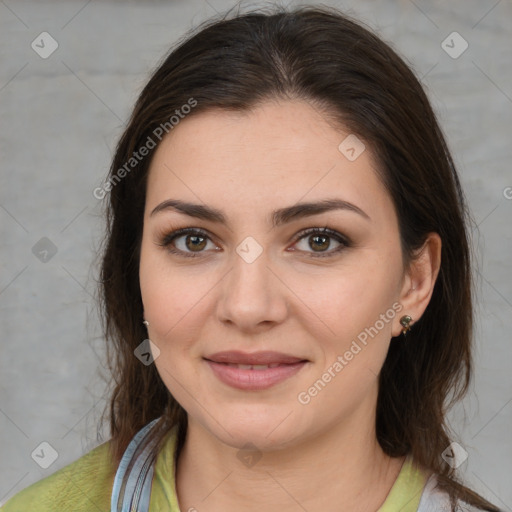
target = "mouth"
x: 254, y: 371
x: 252, y: 366
x: 263, y: 358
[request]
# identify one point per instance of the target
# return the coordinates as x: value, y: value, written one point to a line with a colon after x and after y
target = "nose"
x: 252, y: 296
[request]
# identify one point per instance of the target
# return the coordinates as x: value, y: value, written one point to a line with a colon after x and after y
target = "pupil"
x: 325, y: 244
x: 196, y: 242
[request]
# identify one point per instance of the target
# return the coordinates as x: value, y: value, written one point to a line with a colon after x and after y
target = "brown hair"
x: 358, y: 82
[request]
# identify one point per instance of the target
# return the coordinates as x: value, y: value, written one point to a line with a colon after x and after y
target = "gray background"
x: 60, y: 119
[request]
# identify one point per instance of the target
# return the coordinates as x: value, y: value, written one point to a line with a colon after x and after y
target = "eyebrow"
x: 278, y: 217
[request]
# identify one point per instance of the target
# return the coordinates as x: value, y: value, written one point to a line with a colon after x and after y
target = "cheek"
x: 363, y: 292
x: 164, y: 293
x: 171, y: 305
x: 357, y: 305
x: 176, y: 304
x: 360, y: 313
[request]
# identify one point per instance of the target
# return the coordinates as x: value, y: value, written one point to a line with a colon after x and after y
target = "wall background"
x: 60, y: 119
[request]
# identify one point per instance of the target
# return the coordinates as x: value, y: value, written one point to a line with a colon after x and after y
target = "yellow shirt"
x: 86, y: 485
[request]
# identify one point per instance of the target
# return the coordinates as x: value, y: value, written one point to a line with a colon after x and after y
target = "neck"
x: 330, y: 471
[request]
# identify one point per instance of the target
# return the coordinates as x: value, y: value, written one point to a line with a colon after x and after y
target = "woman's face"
x: 325, y: 305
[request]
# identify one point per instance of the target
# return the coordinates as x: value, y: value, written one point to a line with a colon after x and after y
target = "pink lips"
x: 252, y: 375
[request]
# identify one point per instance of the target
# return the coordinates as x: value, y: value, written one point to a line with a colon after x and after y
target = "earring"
x: 146, y: 323
x: 405, y: 321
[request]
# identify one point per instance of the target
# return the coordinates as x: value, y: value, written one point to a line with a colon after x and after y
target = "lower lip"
x: 254, y: 379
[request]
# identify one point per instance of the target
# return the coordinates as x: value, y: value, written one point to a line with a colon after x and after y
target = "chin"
x: 267, y: 430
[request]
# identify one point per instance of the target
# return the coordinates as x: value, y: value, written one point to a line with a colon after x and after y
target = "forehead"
x: 277, y: 154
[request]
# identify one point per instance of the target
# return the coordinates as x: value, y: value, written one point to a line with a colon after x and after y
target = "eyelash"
x: 170, y: 237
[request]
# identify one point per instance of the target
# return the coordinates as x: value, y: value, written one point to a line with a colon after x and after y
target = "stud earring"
x: 405, y: 321
x: 146, y: 323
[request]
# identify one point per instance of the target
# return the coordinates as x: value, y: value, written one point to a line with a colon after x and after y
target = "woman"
x: 286, y: 225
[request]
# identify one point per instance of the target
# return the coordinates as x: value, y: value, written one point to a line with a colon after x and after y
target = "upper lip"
x: 266, y: 357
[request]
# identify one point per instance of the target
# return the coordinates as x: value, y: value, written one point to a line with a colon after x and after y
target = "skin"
x: 322, y: 455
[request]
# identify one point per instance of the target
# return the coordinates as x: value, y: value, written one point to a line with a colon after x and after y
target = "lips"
x: 254, y: 371
x: 266, y: 358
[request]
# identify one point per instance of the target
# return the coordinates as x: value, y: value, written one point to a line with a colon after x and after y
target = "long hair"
x: 359, y: 83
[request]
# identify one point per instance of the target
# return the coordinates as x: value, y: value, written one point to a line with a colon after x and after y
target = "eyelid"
x: 167, y: 237
x: 340, y: 237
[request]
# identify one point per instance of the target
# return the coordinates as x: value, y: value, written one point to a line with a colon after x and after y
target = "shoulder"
x: 83, y: 485
x: 434, y: 499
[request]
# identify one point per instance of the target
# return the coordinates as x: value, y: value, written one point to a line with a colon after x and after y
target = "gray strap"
x: 436, y: 500
x: 432, y: 499
x: 131, y: 491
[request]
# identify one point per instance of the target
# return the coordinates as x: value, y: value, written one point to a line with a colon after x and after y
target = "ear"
x: 419, y: 280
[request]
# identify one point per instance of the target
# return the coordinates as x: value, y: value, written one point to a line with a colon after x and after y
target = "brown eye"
x: 194, y: 242
x: 185, y: 242
x: 321, y: 241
